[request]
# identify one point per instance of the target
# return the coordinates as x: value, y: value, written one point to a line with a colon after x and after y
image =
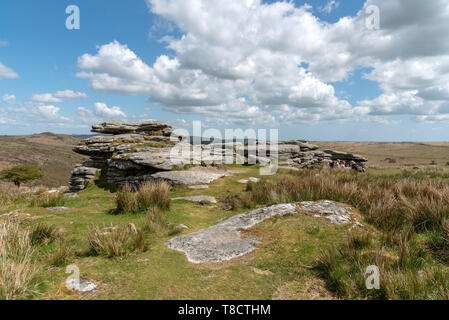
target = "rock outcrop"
x: 131, y: 153
x: 338, y: 155
x: 127, y: 153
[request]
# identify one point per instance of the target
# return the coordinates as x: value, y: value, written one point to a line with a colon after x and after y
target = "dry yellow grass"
x: 17, y: 269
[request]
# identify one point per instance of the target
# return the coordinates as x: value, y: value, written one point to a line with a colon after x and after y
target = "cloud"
x: 7, y: 73
x: 57, y: 97
x: 9, y: 98
x: 100, y: 112
x: 248, y: 61
x: 48, y: 111
x: 329, y: 7
x: 116, y: 68
x: 4, y: 43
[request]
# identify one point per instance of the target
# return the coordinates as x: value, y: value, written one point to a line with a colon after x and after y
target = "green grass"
x: 285, y: 266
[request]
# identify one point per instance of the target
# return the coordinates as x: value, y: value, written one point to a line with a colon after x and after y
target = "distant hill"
x: 395, y: 154
x: 52, y: 152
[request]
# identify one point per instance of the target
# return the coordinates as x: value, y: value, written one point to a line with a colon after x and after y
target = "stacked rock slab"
x: 124, y: 151
x: 290, y: 153
x: 81, y: 177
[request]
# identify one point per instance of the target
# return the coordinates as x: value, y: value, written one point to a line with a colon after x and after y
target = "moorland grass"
x: 403, y: 207
x: 116, y: 241
x: 17, y: 269
x: 147, y: 196
x: 48, y: 200
x: 296, y: 250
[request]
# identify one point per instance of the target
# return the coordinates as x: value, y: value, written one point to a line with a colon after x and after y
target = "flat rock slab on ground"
x: 252, y: 179
x: 336, y: 213
x: 81, y: 285
x: 199, y: 187
x: 198, y: 199
x: 224, y: 241
x: 191, y: 177
x: 58, y: 209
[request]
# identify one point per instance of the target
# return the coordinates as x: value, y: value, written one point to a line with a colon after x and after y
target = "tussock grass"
x: 403, y: 271
x: 148, y: 196
x: 406, y: 208
x: 48, y: 200
x: 17, y: 269
x: 62, y: 255
x: 389, y: 203
x: 116, y: 241
x: 156, y: 223
x: 42, y: 233
x: 9, y: 194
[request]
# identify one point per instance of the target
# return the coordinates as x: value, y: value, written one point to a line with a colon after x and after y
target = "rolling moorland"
x: 402, y: 200
x: 53, y: 154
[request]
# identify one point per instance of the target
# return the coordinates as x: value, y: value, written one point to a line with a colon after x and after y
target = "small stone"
x: 181, y: 227
x: 58, y: 209
x: 198, y: 199
x: 199, y: 187
x: 81, y: 286
x: 72, y: 195
x: 243, y: 181
x: 191, y: 177
x: 132, y: 227
x: 255, y: 180
x: 262, y: 272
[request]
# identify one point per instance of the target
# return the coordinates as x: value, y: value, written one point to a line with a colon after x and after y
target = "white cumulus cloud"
x: 58, y: 96
x: 245, y: 61
x: 8, y: 73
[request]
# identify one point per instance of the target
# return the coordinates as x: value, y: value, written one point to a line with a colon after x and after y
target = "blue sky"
x: 327, y: 85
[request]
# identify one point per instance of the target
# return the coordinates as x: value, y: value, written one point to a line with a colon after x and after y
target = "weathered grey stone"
x: 120, y: 127
x: 191, y: 177
x: 197, y: 199
x: 199, y: 187
x: 335, y: 155
x: 157, y: 158
x: 80, y: 285
x: 133, y: 153
x: 335, y: 212
x: 108, y: 144
x: 224, y: 241
x: 81, y: 177
x: 58, y: 209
